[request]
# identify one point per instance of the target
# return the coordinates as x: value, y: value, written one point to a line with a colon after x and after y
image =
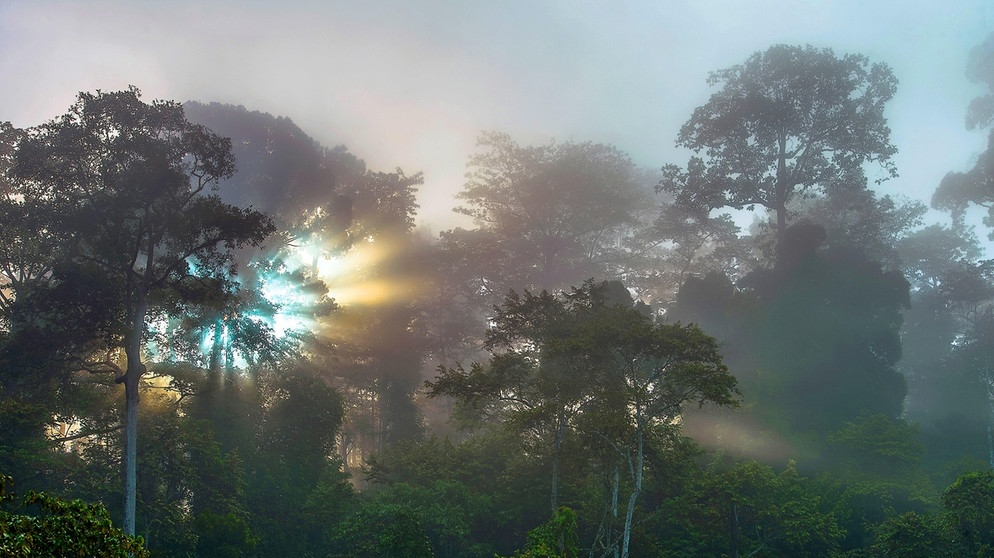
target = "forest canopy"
x: 231, y: 340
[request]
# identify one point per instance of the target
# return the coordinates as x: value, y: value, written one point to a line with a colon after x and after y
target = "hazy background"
x: 412, y: 83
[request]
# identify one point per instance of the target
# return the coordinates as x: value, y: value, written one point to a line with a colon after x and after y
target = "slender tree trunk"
x: 130, y: 450
x: 606, y: 528
x: 614, y: 492
x: 556, y: 451
x: 990, y: 422
x: 610, y: 519
x: 229, y: 363
x: 781, y: 226
x: 131, y: 380
x: 634, y: 496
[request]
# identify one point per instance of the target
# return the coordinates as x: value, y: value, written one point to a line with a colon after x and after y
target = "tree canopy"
x: 788, y: 120
x: 127, y: 186
x: 284, y: 407
x: 553, y: 213
x: 961, y: 190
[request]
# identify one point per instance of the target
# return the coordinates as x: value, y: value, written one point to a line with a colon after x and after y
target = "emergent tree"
x: 789, y: 120
x: 130, y: 186
x: 961, y: 190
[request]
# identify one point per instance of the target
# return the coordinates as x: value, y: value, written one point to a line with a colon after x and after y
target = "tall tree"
x: 786, y: 121
x: 960, y: 288
x: 960, y: 190
x: 646, y: 375
x: 591, y: 360
x: 532, y: 382
x: 553, y: 213
x: 947, y: 391
x: 130, y: 184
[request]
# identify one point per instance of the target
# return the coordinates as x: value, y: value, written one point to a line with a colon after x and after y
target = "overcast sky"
x: 412, y: 84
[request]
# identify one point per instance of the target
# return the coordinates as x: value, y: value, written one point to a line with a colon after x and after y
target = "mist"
x: 421, y: 280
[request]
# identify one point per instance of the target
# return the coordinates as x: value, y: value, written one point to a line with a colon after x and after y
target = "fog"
x: 697, y: 278
x: 412, y: 84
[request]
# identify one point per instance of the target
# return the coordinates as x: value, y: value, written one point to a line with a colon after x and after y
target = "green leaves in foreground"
x: 61, y: 528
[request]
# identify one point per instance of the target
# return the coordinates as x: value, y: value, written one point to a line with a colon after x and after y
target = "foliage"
x: 591, y: 363
x: 455, y: 518
x: 129, y: 185
x: 788, y: 120
x: 381, y: 531
x: 548, y: 214
x: 751, y: 509
x: 880, y: 443
x: 557, y: 538
x: 854, y: 218
x: 485, y: 486
x: 223, y: 536
x: 118, y: 251
x: 60, y: 528
x: 970, y: 504
x: 958, y: 191
x: 828, y: 330
x: 700, y: 244
x: 913, y: 535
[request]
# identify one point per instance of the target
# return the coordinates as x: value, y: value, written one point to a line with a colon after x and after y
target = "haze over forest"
x: 497, y: 280
x: 412, y: 84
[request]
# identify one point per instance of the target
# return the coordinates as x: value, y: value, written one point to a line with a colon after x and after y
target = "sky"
x: 412, y: 84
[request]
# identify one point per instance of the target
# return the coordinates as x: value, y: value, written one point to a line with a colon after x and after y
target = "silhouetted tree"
x: 132, y: 182
x: 788, y: 120
x: 553, y: 215
x: 960, y: 190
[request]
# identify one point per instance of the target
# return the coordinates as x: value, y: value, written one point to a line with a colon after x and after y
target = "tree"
x: 698, y: 244
x: 748, y: 509
x: 969, y: 502
x: 855, y: 219
x: 960, y: 190
x: 557, y: 538
x: 382, y: 530
x: 532, y: 382
x: 131, y: 185
x: 475, y: 498
x: 593, y: 362
x: 292, y: 458
x: 913, y: 535
x: 646, y: 375
x: 62, y: 528
x: 813, y: 341
x: 554, y: 213
x: 788, y: 120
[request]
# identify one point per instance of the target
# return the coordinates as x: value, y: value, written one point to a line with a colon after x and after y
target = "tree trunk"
x: 634, y: 496
x: 781, y: 227
x: 556, y: 450
x: 990, y: 421
x: 131, y: 380
x: 130, y: 450
x: 614, y: 492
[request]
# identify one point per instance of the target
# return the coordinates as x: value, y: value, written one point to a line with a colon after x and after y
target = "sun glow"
x: 300, y: 287
x: 357, y: 278
x: 294, y: 303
